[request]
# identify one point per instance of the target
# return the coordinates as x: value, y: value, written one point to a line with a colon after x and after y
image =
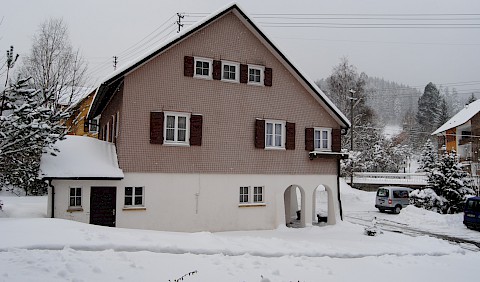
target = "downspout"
x: 53, y: 197
x: 338, y: 189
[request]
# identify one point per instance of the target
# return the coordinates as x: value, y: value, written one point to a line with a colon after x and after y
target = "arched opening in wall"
x: 294, y: 200
x: 320, y: 205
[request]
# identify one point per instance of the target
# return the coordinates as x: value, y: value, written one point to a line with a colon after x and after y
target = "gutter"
x: 53, y: 197
x: 338, y: 189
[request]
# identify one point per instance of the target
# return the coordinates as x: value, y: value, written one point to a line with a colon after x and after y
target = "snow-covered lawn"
x: 33, y: 248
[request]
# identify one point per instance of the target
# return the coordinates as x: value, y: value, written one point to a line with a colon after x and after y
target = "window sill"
x: 255, y: 83
x: 275, y: 148
x: 251, y: 205
x: 134, y: 208
x: 203, y: 77
x: 74, y: 209
x: 176, y: 144
x: 230, y: 80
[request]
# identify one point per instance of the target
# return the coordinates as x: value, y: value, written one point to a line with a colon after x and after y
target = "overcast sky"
x: 414, y: 56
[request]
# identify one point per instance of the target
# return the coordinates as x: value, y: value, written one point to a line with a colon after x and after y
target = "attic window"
x: 230, y: 71
x: 203, y: 68
x: 255, y: 74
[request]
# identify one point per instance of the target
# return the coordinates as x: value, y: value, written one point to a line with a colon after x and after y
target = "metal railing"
x: 389, y: 178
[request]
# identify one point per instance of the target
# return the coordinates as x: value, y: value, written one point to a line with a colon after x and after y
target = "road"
x: 389, y: 225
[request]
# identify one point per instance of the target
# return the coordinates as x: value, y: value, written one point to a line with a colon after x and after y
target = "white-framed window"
x: 258, y: 194
x: 177, y: 128
x: 230, y: 71
x: 275, y: 134
x: 255, y: 74
x: 93, y: 125
x: 134, y: 196
x: 244, y: 191
x: 252, y: 195
x: 75, y: 197
x: 322, y: 139
x: 203, y: 68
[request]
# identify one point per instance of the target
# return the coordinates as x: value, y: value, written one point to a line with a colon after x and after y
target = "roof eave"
x: 82, y: 178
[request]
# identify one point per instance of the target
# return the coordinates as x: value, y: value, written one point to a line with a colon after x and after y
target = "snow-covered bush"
x: 427, y: 199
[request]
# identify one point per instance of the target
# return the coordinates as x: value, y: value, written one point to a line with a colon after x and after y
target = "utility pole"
x: 352, y: 99
x: 115, y: 61
x: 179, y: 21
x: 10, y: 63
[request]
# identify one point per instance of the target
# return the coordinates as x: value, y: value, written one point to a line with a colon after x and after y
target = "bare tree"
x: 55, y: 67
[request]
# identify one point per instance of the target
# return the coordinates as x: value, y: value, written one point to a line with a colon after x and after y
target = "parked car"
x: 392, y: 198
x: 471, y: 213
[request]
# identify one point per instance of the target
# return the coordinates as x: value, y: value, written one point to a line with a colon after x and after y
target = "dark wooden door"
x: 103, y: 205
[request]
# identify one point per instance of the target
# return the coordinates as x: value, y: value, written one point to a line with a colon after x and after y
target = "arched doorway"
x: 294, y: 200
x: 320, y: 205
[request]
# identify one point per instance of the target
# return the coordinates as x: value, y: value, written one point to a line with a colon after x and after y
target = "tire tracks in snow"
x: 392, y: 226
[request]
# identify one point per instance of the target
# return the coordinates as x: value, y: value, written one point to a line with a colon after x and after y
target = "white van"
x: 392, y: 198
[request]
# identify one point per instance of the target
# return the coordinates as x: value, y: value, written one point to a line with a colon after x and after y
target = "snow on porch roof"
x: 461, y: 117
x: 81, y: 158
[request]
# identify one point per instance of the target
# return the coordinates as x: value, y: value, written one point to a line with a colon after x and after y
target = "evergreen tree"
x: 428, y: 157
x: 28, y: 128
x: 449, y: 181
x: 443, y: 115
x: 428, y: 112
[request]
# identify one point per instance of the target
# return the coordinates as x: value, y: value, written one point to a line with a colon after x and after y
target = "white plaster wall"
x: 62, y: 198
x: 171, y: 205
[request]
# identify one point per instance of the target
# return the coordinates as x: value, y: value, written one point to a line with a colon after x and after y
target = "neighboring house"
x: 214, y: 130
x: 77, y: 123
x: 462, y: 134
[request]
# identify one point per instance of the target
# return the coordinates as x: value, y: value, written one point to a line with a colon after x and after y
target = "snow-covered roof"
x: 81, y: 157
x: 144, y: 58
x: 79, y: 93
x: 460, y: 118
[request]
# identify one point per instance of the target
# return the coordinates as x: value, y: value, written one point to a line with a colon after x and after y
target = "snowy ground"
x: 33, y: 248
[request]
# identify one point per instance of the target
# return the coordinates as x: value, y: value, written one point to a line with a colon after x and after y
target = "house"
x: 77, y: 123
x: 461, y: 135
x: 214, y: 130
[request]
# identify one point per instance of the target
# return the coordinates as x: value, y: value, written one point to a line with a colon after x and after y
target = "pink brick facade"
x: 229, y: 110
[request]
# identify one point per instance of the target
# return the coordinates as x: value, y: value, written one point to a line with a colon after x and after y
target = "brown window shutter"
x: 196, y: 122
x: 290, y: 137
x: 217, y: 70
x: 156, y: 127
x: 243, y: 73
x: 268, y: 77
x: 309, y: 143
x: 260, y: 133
x: 188, y: 67
x: 336, y: 140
